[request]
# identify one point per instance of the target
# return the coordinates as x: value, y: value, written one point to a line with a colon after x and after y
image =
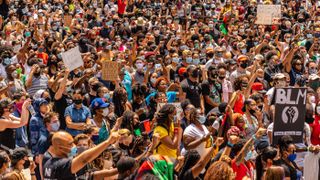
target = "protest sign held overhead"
x: 109, y: 70
x: 290, y: 109
x: 268, y: 14
x: 72, y: 58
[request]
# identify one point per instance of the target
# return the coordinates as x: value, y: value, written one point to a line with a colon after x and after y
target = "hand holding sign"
x: 72, y: 58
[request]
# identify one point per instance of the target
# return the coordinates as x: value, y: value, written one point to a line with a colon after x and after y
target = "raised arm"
x: 62, y: 86
x: 288, y: 59
x: 89, y: 155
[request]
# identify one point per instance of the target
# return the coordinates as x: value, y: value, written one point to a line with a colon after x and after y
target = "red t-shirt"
x: 122, y: 6
x: 315, y: 139
x: 241, y: 171
x: 238, y: 105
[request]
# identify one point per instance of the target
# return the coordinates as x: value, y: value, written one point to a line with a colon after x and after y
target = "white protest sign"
x: 177, y: 105
x: 268, y: 14
x: 72, y: 58
x: 16, y: 48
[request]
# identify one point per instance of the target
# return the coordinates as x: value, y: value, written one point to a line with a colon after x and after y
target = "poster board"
x: 109, y: 70
x: 177, y: 105
x: 268, y: 14
x: 290, y: 110
x: 72, y: 58
x: 67, y: 20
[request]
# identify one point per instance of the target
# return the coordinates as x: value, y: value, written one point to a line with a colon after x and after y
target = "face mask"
x: 235, y: 32
x: 77, y: 101
x: 244, y: 65
x: 318, y: 110
x: 300, y: 20
x: 244, y: 85
x: 312, y: 99
x: 309, y: 36
x: 26, y: 164
x: 105, y: 112
x: 243, y: 51
x: 196, y: 61
x: 175, y: 60
x: 210, y: 25
x: 248, y: 156
x: 219, y: 54
x: 169, y: 21
x: 153, y: 80
x: 260, y: 107
x: 255, y: 43
x: 260, y: 79
x: 195, y: 74
x: 95, y: 138
x: 292, y: 157
x: 6, y: 61
x: 106, y: 96
x: 312, y: 71
x: 241, y: 30
x: 222, y: 77
x: 287, y: 40
x: 202, y: 119
x: 139, y: 66
x: 81, y: 149
x: 252, y: 111
x: 55, y: 126
x: 14, y: 74
x: 73, y: 152
x: 189, y: 60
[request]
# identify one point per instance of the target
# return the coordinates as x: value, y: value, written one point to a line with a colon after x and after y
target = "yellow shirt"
x: 163, y: 149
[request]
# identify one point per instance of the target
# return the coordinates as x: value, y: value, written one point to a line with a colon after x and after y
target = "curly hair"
x: 219, y: 170
x: 118, y: 98
x: 163, y: 115
x: 238, y: 81
x: 128, y: 123
x: 191, y: 159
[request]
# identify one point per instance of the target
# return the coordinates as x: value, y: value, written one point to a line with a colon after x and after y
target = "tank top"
x: 238, y: 105
x: 7, y: 137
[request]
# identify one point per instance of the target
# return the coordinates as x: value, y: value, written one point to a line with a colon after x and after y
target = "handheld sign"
x: 177, y: 105
x: 109, y: 70
x: 268, y: 14
x: 72, y: 58
x: 290, y: 110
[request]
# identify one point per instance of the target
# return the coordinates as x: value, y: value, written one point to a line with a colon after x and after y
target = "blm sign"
x: 290, y: 110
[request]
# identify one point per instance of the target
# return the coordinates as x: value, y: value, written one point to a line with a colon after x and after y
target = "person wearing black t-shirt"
x: 192, y: 88
x: 57, y: 164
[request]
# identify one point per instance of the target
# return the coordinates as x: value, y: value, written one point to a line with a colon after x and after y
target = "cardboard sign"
x: 177, y: 105
x: 109, y: 70
x: 268, y: 14
x: 290, y: 110
x: 72, y: 58
x: 67, y: 20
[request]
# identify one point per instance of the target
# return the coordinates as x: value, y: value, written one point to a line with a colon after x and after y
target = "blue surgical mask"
x: 189, y: 60
x: 106, y: 96
x: 202, y: 119
x: 196, y: 61
x: 175, y: 60
x: 292, y: 157
x: 73, y: 152
x: 95, y: 139
x: 55, y: 126
x: 248, y: 156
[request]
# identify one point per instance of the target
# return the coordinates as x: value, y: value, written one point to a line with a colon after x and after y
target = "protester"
x: 170, y: 78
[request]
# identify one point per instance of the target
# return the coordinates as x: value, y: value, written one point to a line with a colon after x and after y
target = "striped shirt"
x: 38, y: 83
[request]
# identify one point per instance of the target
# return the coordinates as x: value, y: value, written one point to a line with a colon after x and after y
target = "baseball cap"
x: 209, y: 50
x: 99, y: 103
x: 279, y: 76
x: 242, y: 58
x: 257, y: 86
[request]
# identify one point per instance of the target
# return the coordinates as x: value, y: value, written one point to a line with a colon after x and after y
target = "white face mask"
x: 318, y: 110
x: 139, y: 65
x: 153, y: 80
x: 105, y: 112
x: 312, y: 99
x: 169, y: 21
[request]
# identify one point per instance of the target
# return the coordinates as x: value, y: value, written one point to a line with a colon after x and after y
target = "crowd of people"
x: 193, y: 97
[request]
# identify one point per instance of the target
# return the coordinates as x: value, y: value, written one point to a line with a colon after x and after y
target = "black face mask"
x: 252, y: 111
x: 260, y: 107
x: 222, y: 77
x: 244, y: 65
x: 77, y: 101
x: 195, y: 73
x: 95, y: 87
x: 26, y: 164
x: 48, y: 99
x: 301, y: 20
x: 210, y: 55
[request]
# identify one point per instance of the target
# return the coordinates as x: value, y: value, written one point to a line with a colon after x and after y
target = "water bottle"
x: 31, y: 110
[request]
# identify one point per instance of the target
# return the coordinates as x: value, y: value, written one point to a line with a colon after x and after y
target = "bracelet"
x: 32, y: 174
x: 230, y: 145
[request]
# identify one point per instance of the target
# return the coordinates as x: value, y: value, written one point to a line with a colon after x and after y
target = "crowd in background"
x: 208, y: 56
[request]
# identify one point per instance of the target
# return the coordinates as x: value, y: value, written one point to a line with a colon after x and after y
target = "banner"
x: 290, y: 110
x: 72, y: 58
x: 177, y: 105
x: 268, y: 14
x: 109, y: 70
